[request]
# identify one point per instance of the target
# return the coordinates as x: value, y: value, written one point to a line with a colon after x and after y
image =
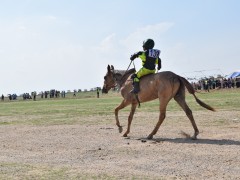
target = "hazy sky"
x: 67, y: 44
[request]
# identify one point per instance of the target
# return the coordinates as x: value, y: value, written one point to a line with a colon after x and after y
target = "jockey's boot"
x: 136, y: 88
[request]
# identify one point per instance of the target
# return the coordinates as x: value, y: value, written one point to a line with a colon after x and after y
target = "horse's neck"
x: 122, y: 76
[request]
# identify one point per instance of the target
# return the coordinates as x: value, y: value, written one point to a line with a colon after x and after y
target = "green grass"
x: 74, y: 110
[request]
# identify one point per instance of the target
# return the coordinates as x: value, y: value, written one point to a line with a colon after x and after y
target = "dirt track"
x: 100, y: 151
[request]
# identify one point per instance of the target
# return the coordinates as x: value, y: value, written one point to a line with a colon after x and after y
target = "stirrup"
x: 134, y: 91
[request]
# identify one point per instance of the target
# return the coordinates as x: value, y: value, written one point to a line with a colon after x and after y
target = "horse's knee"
x: 162, y: 116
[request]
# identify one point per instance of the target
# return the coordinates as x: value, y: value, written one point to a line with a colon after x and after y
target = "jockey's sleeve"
x: 139, y: 53
x: 142, y: 55
x: 159, y: 63
x: 136, y: 55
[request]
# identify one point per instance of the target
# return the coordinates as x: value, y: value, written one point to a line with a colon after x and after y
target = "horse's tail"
x: 192, y: 91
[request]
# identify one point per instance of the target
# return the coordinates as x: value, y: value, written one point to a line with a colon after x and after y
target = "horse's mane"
x: 122, y: 75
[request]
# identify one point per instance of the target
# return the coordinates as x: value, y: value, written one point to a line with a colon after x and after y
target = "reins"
x: 136, y: 95
x: 128, y: 69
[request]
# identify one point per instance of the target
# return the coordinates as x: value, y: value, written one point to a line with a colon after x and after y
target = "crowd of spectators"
x: 216, y: 83
x: 53, y: 94
x: 26, y: 96
x: 10, y: 97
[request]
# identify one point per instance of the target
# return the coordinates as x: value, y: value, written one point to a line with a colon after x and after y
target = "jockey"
x: 149, y: 57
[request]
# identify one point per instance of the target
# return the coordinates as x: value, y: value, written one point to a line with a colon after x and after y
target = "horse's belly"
x: 148, y: 92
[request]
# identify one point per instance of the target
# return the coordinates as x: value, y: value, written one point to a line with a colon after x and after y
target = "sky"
x: 67, y: 44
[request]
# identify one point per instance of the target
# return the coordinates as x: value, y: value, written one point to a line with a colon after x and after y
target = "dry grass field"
x: 76, y: 138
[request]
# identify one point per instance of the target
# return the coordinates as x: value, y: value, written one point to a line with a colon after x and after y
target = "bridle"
x: 108, y: 86
x: 113, y: 84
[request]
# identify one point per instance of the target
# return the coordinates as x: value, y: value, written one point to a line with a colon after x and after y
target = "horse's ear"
x: 112, y: 67
x: 108, y: 68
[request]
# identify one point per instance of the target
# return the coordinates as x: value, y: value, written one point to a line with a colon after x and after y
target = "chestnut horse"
x: 163, y: 85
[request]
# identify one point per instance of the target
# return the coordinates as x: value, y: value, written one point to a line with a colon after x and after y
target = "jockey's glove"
x: 133, y: 57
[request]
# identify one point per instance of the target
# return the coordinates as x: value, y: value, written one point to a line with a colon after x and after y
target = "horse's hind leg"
x: 130, y: 117
x: 123, y: 104
x: 180, y: 98
x: 162, y: 115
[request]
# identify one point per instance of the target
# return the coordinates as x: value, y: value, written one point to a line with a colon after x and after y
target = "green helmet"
x: 148, y: 44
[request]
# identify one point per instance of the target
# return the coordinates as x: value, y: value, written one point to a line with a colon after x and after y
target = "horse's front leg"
x: 123, y: 104
x: 130, y: 117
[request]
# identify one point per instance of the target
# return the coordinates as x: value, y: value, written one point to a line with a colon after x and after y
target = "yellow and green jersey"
x: 150, y: 58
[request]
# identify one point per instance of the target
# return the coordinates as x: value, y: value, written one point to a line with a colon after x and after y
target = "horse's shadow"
x: 190, y: 141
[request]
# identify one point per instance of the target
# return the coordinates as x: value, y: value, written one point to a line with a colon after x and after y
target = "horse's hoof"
x: 120, y: 129
x: 150, y: 136
x: 125, y: 135
x: 193, y: 138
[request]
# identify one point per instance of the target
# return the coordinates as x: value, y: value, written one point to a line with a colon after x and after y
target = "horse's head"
x: 109, y: 80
